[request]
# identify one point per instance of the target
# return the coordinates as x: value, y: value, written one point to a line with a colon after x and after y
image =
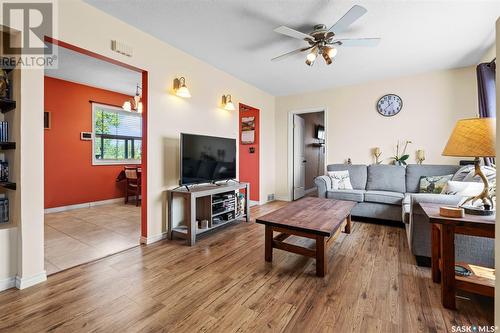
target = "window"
x: 117, y: 135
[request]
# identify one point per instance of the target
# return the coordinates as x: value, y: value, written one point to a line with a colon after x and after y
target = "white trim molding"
x: 28, y: 281
x: 7, y: 283
x: 290, y: 143
x: 252, y: 203
x: 311, y: 190
x: 87, y: 205
x: 153, y: 239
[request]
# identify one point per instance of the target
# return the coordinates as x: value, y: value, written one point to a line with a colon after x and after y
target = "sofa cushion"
x: 340, y: 180
x: 433, y: 184
x: 386, y: 178
x: 348, y: 195
x: 406, y: 213
x: 357, y: 173
x: 415, y: 171
x: 384, y: 197
x: 466, y: 189
x: 467, y: 174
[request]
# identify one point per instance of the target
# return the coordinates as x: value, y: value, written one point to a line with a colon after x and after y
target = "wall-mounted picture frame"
x: 247, y: 130
x: 47, y: 120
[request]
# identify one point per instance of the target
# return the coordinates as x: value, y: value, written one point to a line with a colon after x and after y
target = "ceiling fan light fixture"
x: 332, y: 52
x: 327, y: 58
x: 311, y: 56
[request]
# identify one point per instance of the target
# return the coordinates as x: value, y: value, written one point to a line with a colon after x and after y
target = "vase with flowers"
x: 401, y: 157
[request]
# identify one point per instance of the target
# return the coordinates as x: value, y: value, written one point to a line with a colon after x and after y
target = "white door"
x: 299, y: 158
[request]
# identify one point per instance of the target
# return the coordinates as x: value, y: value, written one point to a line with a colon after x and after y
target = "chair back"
x: 131, y: 173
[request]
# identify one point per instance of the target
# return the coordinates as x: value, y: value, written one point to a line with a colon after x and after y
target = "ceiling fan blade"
x: 292, y: 33
x: 357, y: 42
x: 286, y: 55
x: 345, y: 21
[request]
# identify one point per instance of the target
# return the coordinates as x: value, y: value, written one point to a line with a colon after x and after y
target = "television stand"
x: 216, y: 203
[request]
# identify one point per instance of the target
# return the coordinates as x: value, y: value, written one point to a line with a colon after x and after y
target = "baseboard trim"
x: 7, y: 283
x: 311, y: 190
x: 28, y: 281
x: 87, y: 205
x: 282, y: 198
x: 252, y: 203
x: 153, y: 239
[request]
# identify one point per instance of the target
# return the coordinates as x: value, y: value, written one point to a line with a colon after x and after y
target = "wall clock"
x: 389, y: 105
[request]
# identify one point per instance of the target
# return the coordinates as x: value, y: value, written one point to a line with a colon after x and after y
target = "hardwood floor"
x: 223, y: 284
x: 79, y: 236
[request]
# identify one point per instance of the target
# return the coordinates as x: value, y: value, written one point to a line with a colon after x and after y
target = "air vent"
x: 270, y: 197
x: 121, y: 48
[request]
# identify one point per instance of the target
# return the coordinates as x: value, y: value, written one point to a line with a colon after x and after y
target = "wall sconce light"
x: 180, y: 87
x: 227, y: 104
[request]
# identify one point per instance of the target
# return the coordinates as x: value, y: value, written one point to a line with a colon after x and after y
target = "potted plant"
x: 401, y: 159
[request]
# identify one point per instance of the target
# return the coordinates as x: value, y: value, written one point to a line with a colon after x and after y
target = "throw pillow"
x: 466, y: 189
x: 466, y: 174
x: 340, y: 180
x: 433, y: 184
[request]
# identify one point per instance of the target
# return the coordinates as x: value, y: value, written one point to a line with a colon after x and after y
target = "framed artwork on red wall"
x: 247, y: 130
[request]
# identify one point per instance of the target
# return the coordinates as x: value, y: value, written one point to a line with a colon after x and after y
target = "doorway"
x: 249, y: 150
x: 307, y: 150
x: 95, y: 157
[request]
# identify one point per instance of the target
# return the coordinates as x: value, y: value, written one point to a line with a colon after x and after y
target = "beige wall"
x: 91, y: 29
x: 432, y: 102
x: 169, y: 115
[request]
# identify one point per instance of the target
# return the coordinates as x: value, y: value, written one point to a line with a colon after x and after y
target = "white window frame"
x: 96, y: 161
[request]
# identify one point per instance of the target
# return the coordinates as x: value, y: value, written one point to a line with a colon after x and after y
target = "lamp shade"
x: 472, y: 138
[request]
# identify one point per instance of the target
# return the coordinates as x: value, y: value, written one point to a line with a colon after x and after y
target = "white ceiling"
x: 237, y: 36
x: 80, y: 68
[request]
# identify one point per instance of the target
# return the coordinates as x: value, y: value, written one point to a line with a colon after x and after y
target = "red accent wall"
x: 70, y: 177
x: 249, y: 162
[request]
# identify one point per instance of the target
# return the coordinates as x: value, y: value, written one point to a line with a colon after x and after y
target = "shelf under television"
x: 181, y: 231
x: 222, y: 201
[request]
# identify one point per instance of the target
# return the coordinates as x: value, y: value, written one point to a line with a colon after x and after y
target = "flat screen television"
x: 207, y: 159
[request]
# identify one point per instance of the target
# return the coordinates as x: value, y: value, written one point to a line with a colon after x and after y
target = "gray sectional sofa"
x: 390, y: 193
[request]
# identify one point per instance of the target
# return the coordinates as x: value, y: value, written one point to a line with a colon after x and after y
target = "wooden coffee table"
x: 313, y: 218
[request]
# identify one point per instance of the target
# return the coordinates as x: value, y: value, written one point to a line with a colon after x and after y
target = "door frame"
x: 291, y: 113
x: 144, y: 147
x: 245, y: 105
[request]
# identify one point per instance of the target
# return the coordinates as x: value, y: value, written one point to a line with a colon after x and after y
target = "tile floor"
x: 78, y: 236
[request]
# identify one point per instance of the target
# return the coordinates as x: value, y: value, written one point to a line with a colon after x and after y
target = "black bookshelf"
x: 7, y: 105
x: 8, y: 185
x: 7, y: 145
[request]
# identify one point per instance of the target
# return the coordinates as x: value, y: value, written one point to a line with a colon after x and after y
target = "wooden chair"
x: 133, y: 186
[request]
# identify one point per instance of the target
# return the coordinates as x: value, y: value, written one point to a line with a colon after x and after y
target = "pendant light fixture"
x: 135, y: 104
x: 227, y: 104
x: 180, y: 87
x: 137, y: 99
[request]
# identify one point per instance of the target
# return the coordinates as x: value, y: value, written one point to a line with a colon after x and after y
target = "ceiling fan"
x: 322, y: 40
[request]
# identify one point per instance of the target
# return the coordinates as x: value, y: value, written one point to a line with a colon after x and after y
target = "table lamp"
x: 474, y: 138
